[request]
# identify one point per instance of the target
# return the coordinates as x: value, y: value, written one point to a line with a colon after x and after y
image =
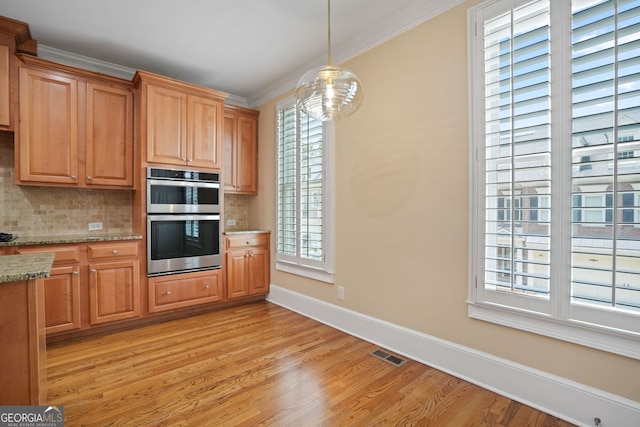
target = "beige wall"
x: 402, y: 207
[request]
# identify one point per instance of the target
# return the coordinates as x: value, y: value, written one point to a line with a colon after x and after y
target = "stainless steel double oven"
x: 183, y: 221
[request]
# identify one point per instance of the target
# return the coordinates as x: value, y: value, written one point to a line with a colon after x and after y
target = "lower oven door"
x: 180, y: 243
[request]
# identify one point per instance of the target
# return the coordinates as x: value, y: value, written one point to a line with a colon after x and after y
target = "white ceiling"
x: 252, y: 49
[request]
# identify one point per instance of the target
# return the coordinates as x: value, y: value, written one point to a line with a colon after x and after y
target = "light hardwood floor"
x: 260, y: 365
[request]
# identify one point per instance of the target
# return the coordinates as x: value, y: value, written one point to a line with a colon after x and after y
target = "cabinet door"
x: 237, y: 274
x: 247, y: 152
x: 62, y: 299
x: 204, y: 147
x: 48, y: 137
x: 5, y: 87
x: 109, y: 138
x: 258, y: 271
x: 166, y: 125
x: 230, y: 155
x: 114, y: 291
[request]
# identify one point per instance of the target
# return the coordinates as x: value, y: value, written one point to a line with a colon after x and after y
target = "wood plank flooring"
x: 260, y: 365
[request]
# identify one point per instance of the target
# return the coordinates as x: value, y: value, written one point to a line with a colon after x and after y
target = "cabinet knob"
x: 73, y: 177
x: 89, y: 178
x: 93, y: 271
x: 168, y: 293
x: 189, y: 160
x: 207, y: 286
x: 75, y: 273
x: 115, y: 251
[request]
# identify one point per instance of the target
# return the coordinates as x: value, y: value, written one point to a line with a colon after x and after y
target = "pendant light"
x: 329, y: 92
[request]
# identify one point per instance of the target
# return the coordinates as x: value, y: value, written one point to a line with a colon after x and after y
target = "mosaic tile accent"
x: 36, y: 211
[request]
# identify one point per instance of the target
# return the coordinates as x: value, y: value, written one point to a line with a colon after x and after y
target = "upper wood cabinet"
x: 14, y: 37
x: 76, y: 127
x: 240, y: 174
x: 179, y: 123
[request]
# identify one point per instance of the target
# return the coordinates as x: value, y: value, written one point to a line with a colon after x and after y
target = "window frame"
x: 318, y: 270
x: 553, y: 319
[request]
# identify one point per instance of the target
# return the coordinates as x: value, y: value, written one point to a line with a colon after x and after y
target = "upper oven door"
x: 164, y: 196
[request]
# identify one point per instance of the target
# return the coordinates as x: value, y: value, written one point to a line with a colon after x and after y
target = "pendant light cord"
x: 329, y: 30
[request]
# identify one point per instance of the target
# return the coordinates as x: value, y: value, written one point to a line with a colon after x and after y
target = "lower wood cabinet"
x: 114, y: 291
x: 61, y: 288
x: 23, y: 373
x: 90, y: 284
x: 114, y: 282
x: 62, y: 299
x: 247, y: 263
x: 184, y: 290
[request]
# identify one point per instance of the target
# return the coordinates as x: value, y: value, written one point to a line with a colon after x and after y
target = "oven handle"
x: 198, y: 184
x: 183, y: 217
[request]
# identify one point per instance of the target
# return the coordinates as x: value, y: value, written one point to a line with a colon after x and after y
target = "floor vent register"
x: 389, y: 358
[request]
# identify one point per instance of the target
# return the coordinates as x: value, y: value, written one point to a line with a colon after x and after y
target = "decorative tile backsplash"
x: 236, y: 207
x: 36, y: 211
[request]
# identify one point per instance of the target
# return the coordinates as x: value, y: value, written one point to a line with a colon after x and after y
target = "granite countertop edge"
x: 16, y: 268
x: 79, y: 238
x: 232, y: 232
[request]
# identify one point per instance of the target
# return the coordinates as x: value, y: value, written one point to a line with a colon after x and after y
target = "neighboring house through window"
x: 555, y: 179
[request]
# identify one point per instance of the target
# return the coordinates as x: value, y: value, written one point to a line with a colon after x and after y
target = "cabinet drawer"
x: 112, y: 251
x: 183, y: 290
x: 245, y: 240
x: 63, y: 254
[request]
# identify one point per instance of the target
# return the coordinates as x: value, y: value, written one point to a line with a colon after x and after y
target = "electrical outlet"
x: 341, y: 292
x: 95, y: 226
x: 231, y: 222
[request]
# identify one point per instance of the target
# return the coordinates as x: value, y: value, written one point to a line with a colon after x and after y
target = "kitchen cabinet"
x: 180, y: 124
x: 90, y: 284
x: 114, y: 282
x: 23, y: 358
x: 240, y: 174
x: 247, y: 264
x: 76, y: 127
x: 14, y: 37
x: 62, y: 288
x: 184, y: 290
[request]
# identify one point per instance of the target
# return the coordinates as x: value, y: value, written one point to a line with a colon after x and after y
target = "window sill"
x: 309, y: 272
x: 575, y: 332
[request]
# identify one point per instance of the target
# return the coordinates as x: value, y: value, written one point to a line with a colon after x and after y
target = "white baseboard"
x: 568, y: 400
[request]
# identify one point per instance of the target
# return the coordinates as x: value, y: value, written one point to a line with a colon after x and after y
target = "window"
x: 555, y: 184
x: 304, y: 215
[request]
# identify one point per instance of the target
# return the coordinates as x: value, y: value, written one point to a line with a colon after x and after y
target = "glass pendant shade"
x: 329, y: 92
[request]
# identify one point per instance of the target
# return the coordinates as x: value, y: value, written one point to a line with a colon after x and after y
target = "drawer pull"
x: 115, y: 251
x: 168, y: 293
x: 207, y: 286
x: 89, y: 178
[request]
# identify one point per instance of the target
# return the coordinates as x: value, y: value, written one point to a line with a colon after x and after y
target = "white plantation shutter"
x: 302, y: 195
x: 556, y: 169
x: 518, y: 155
x: 605, y: 244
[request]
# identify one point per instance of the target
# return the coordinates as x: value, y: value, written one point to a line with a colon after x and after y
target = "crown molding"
x: 104, y: 67
x: 401, y: 21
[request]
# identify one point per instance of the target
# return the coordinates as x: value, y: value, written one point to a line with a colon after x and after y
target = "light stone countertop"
x: 77, y: 238
x: 14, y: 268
